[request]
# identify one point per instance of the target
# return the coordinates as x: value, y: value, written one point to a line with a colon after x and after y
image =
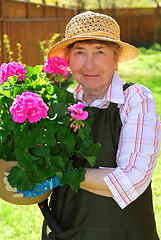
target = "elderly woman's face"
x: 92, y: 65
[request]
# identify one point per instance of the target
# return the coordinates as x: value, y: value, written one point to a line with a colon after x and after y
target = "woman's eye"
x: 100, y: 52
x: 79, y: 52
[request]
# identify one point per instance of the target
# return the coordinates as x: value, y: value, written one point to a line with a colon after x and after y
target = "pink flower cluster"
x: 11, y: 69
x: 56, y: 65
x: 28, y: 105
x: 77, y: 111
x: 77, y: 115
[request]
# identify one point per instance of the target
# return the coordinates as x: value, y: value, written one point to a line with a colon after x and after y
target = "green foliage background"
x: 24, y: 222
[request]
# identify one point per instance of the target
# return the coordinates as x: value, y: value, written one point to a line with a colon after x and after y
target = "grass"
x: 24, y: 222
x: 20, y: 222
x: 146, y: 70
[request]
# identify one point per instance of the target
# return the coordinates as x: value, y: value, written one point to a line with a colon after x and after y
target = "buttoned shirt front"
x: 139, y: 141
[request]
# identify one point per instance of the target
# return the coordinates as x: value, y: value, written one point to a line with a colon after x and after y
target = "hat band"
x: 101, y: 34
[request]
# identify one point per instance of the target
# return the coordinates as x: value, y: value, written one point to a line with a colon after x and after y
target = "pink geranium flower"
x: 78, y: 109
x: 77, y: 115
x: 12, y: 69
x: 28, y: 105
x: 56, y: 65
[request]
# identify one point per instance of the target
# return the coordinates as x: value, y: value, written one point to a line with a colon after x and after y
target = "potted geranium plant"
x: 42, y: 128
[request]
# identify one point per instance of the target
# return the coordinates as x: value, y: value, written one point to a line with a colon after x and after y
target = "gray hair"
x: 115, y: 47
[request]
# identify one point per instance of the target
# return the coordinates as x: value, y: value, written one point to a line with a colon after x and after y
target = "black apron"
x: 87, y: 216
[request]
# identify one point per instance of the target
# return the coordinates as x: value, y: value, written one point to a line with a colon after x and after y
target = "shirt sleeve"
x: 138, y: 146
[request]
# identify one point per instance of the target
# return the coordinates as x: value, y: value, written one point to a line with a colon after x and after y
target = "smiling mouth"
x: 90, y: 75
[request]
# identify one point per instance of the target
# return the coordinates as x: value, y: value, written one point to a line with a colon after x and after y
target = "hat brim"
x: 128, y: 52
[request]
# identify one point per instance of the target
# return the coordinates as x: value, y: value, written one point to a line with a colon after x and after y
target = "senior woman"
x: 115, y: 199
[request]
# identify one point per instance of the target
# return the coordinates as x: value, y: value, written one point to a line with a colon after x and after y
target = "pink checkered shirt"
x: 139, y: 142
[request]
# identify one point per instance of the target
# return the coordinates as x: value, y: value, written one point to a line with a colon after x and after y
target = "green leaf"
x: 24, y: 158
x: 91, y: 160
x: 22, y: 139
x: 87, y: 129
x: 59, y: 109
x: 34, y: 70
x: 38, y: 83
x: 6, y: 91
x: 50, y: 89
x: 87, y: 142
x: 64, y: 96
x: 37, y: 160
x: 67, y: 139
x: 49, y: 138
x: 41, y: 151
x: 39, y: 176
x: 73, y: 179
x: 29, y: 138
x: 58, y: 165
x: 6, y: 151
x: 20, y: 179
x: 13, y: 79
x: 9, y: 124
x: 91, y: 153
x: 16, y: 90
x: 47, y: 162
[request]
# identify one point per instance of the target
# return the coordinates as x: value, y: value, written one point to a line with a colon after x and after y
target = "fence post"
x: 57, y: 16
x: 113, y: 11
x: 29, y: 24
x: 157, y: 25
x: 44, y: 8
x: 3, y: 27
x: 28, y: 9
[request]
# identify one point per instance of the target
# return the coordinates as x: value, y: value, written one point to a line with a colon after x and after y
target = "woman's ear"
x: 117, y: 59
x: 119, y: 53
x: 66, y: 54
x: 67, y: 59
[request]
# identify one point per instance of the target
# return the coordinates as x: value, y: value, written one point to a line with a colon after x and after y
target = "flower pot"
x: 7, y: 195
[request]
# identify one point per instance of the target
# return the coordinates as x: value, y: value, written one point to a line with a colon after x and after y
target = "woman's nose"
x: 89, y: 63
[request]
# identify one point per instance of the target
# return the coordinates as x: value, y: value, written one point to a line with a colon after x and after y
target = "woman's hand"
x: 94, y: 181
x: 40, y: 188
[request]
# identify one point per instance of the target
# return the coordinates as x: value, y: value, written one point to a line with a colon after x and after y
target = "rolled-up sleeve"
x: 138, y: 146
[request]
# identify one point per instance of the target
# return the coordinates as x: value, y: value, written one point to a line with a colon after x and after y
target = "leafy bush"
x: 154, y: 49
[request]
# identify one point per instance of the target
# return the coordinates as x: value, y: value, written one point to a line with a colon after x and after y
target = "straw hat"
x: 90, y: 25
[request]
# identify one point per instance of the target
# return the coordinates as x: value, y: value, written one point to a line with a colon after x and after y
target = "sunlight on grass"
x: 20, y: 222
x: 145, y: 70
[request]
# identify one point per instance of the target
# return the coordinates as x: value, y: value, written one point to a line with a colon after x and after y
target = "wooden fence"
x: 29, y: 23
x: 138, y: 26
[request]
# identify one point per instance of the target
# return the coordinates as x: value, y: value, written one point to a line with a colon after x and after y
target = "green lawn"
x: 19, y: 222
x: 24, y: 222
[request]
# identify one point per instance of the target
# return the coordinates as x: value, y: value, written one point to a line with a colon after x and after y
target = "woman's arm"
x: 138, y: 146
x: 94, y: 181
x: 137, y: 151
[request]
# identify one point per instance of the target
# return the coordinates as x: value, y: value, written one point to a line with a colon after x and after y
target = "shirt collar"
x: 114, y: 93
